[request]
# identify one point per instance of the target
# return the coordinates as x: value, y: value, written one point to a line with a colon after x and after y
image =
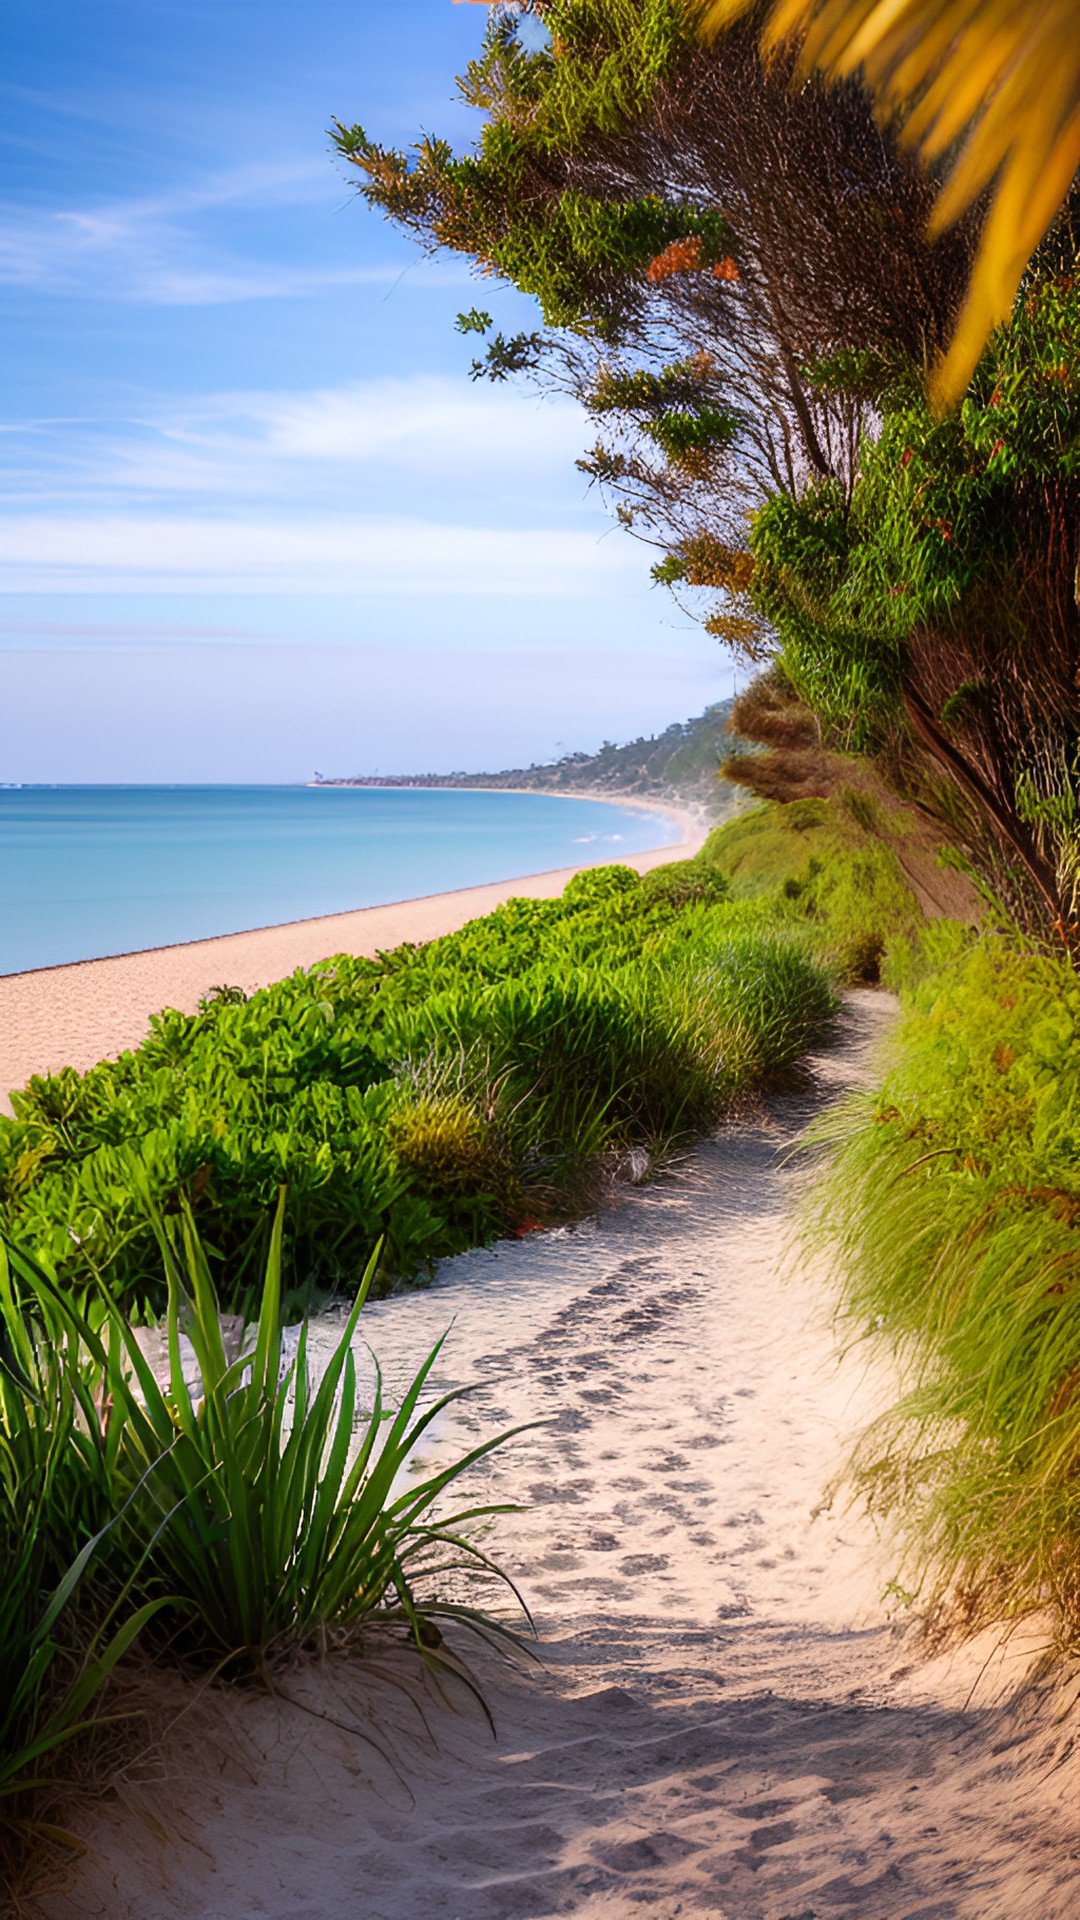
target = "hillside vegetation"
x: 680, y: 764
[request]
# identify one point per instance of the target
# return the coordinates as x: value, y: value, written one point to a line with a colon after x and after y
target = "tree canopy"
x: 734, y: 277
x: 990, y: 89
x: 699, y: 237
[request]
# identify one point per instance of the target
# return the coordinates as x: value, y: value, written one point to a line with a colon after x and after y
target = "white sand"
x: 728, y: 1726
x: 76, y: 1015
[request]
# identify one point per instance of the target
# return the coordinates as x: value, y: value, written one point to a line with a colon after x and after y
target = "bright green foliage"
x: 642, y: 391
x: 686, y: 883
x: 684, y: 437
x: 842, y: 886
x: 243, y: 1510
x: 955, y: 1196
x: 940, y: 599
x: 599, y: 70
x: 576, y: 260
x: 439, y: 1095
x: 572, y: 249
x: 805, y: 552
x: 676, y: 409
x: 933, y: 516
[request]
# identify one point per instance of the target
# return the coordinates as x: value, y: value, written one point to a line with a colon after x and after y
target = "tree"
x: 993, y: 89
x: 932, y: 617
x: 698, y: 235
x: 734, y: 277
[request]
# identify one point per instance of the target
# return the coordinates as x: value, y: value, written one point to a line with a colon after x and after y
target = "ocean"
x: 90, y: 871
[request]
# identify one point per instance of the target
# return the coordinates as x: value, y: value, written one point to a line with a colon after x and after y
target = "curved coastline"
x: 89, y: 1010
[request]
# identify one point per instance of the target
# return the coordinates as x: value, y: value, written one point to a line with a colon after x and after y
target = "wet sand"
x: 76, y: 1015
x: 732, y: 1722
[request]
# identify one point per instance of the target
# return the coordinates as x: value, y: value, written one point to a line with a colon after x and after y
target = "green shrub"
x: 434, y: 1097
x: 828, y: 868
x: 596, y: 885
x: 685, y: 883
x: 954, y: 1195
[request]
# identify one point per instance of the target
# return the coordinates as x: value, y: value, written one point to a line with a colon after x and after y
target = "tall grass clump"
x: 62, y: 1632
x: 435, y: 1097
x: 953, y: 1195
x: 235, y: 1510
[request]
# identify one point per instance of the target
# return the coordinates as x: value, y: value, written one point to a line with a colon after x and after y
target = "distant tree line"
x: 683, y: 762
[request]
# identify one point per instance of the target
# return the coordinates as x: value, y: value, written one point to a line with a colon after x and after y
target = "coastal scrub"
x: 435, y: 1097
x: 953, y: 1196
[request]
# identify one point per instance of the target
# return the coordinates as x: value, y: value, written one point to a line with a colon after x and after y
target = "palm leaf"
x: 996, y: 80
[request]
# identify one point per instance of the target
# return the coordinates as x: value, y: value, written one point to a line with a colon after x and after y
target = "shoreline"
x: 83, y: 1011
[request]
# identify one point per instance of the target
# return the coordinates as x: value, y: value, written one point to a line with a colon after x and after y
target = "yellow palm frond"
x: 1002, y: 77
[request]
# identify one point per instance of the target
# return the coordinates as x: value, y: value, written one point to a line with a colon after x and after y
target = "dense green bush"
x: 438, y: 1095
x: 955, y: 1198
x: 820, y: 870
x: 926, y: 605
x: 685, y: 883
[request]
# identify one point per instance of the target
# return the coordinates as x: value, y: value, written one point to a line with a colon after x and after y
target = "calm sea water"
x: 87, y: 871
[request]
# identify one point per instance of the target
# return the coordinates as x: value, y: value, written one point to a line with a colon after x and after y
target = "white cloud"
x: 425, y: 426
x: 390, y: 486
x: 122, y: 553
x: 157, y: 249
x: 426, y: 421
x: 166, y: 285
x: 375, y: 442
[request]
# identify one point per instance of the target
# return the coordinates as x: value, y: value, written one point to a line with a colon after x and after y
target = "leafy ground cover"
x: 437, y: 1096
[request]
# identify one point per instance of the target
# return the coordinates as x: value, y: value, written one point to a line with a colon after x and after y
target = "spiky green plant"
x: 247, y: 1512
x: 58, y: 1644
x: 264, y: 1511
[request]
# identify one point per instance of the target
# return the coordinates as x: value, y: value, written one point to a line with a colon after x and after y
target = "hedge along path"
x: 730, y: 1724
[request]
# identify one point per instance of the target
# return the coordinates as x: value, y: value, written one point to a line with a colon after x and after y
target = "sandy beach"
x: 733, y: 1720
x: 79, y: 1014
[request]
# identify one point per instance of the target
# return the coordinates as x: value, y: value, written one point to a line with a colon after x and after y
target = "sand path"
x: 728, y: 1726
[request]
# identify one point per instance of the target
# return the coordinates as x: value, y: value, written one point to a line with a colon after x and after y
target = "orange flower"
x: 726, y: 269
x: 681, y: 256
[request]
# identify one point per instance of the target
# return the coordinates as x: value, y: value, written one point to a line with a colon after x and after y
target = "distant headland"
x: 681, y: 764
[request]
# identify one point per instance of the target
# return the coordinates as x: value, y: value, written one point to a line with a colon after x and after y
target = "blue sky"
x: 257, y: 519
